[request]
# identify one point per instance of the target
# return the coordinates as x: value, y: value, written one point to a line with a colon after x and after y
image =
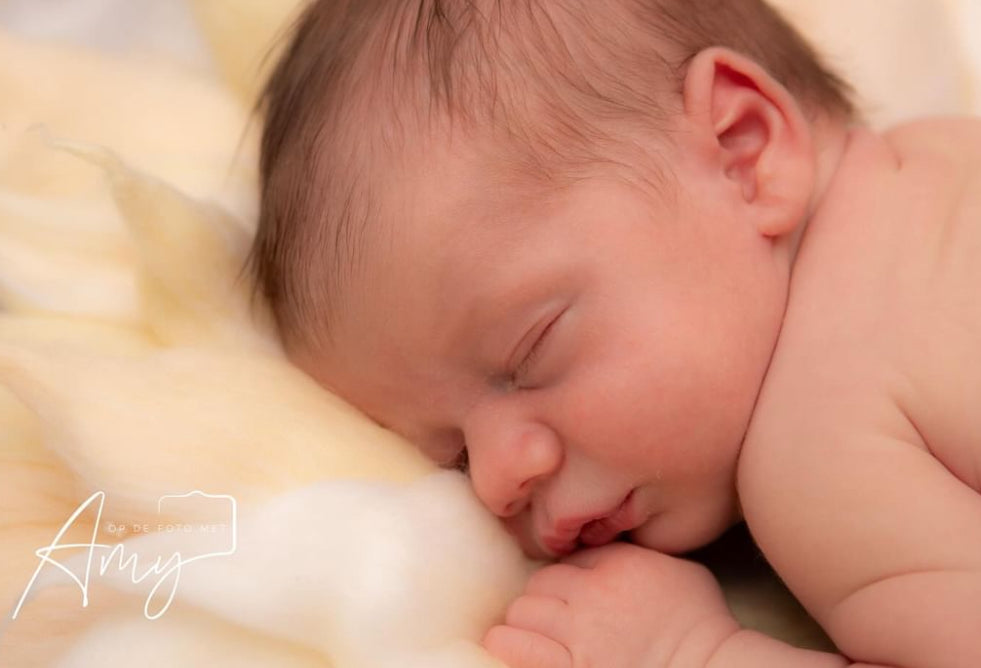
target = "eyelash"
x: 533, y: 352
x: 461, y: 462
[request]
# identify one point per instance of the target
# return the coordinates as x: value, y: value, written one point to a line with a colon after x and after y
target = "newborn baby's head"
x: 546, y: 240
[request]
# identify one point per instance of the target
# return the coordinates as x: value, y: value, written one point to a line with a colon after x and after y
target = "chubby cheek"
x: 669, y: 408
x: 607, y: 411
x: 685, y: 527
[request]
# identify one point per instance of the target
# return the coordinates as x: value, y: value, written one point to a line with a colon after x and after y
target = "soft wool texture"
x: 132, y: 362
x: 138, y: 368
x: 407, y: 569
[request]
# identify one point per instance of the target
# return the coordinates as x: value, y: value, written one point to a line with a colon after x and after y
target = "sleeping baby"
x: 640, y: 271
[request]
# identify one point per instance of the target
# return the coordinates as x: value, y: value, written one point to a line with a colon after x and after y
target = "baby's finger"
x: 554, y: 581
x: 584, y: 558
x: 542, y: 614
x: 589, y: 557
x: 519, y: 648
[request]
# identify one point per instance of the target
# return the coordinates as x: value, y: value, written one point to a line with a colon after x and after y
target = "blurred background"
x: 164, y: 28
x: 906, y: 57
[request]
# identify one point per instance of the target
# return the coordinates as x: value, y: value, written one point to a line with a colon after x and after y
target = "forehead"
x: 449, y: 254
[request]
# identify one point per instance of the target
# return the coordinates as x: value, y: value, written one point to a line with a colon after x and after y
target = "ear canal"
x: 743, y: 141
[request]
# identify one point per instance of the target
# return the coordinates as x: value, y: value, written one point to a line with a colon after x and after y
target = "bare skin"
x: 867, y: 430
x: 791, y: 335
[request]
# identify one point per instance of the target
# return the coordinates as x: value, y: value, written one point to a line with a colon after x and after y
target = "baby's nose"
x: 509, y: 461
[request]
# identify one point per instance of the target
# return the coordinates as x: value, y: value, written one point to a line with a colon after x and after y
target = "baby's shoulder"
x: 880, y: 336
x: 956, y: 139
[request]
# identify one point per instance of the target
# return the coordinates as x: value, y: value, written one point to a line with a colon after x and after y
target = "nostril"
x: 513, y: 508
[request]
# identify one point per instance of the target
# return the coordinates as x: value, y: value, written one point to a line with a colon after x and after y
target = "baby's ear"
x: 759, y: 137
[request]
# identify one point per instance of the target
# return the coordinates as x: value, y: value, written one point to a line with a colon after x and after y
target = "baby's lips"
x: 598, y: 534
x: 568, y: 533
x: 558, y: 546
x: 605, y: 530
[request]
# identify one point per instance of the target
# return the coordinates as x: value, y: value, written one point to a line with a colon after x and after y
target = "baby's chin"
x: 681, y: 532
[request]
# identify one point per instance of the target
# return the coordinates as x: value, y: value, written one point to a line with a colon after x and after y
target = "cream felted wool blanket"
x: 135, y: 365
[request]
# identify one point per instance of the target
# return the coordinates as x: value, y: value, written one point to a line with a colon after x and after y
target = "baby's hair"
x: 565, y: 82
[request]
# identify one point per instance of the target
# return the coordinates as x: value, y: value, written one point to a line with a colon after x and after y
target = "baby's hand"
x: 618, y: 606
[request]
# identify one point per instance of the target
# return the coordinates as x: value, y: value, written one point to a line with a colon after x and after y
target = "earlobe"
x: 759, y: 139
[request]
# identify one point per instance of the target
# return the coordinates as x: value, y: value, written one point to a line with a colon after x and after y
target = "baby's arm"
x: 623, y: 606
x: 873, y: 533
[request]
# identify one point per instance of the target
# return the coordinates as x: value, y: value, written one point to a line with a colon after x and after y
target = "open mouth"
x: 605, y: 530
x: 595, y: 532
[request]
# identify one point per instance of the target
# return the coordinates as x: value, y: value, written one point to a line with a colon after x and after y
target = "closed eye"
x: 461, y: 462
x: 534, y: 352
x: 450, y: 450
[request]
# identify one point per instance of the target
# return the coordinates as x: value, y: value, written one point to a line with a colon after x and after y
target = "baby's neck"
x: 830, y: 138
